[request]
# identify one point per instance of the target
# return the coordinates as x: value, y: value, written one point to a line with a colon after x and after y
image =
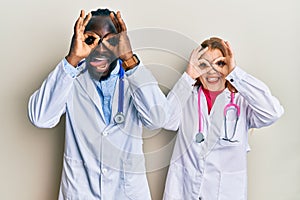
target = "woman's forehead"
x: 212, y: 54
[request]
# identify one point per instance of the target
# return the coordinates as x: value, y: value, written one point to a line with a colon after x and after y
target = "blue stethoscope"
x: 119, y: 118
x: 230, y: 106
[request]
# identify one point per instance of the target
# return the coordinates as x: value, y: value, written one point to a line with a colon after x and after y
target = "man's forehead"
x: 100, y: 23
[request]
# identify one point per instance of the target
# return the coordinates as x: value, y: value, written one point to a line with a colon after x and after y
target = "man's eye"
x: 113, y: 41
x: 90, y: 40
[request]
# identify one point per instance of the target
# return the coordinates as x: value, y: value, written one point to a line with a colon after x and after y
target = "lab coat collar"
x: 215, y: 129
x: 87, y: 84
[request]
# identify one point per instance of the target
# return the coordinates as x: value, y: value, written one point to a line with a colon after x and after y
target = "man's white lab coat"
x: 100, y: 161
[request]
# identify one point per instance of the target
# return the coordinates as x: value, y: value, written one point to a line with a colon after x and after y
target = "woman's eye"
x: 221, y: 63
x: 203, y: 65
x: 90, y: 40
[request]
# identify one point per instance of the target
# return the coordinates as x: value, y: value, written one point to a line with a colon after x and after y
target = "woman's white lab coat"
x: 215, y: 169
x: 100, y: 161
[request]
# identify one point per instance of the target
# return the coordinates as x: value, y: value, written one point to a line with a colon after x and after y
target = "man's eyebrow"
x: 107, y: 34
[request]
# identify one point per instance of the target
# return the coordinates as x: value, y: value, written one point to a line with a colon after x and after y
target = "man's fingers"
x: 82, y: 13
x: 91, y: 34
x: 115, y: 21
x: 87, y: 34
x: 78, y: 25
x: 87, y: 19
x: 121, y: 22
x: 107, y: 45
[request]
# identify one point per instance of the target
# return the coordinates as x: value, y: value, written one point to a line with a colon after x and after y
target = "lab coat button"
x: 105, y: 133
x: 104, y: 170
x: 231, y: 80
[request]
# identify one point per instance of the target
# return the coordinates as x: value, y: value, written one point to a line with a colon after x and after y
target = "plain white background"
x: 35, y: 36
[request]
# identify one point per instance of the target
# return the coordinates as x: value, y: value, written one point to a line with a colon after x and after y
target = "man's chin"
x: 96, y: 75
x: 101, y: 73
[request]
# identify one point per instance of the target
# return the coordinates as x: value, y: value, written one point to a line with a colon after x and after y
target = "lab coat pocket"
x: 75, y: 182
x: 233, y: 186
x: 179, y: 183
x: 135, y: 181
x: 230, y: 133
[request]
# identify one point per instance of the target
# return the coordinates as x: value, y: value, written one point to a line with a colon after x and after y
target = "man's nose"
x: 101, y: 46
x: 100, y: 41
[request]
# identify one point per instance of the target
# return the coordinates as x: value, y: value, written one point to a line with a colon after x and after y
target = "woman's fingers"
x: 201, y: 51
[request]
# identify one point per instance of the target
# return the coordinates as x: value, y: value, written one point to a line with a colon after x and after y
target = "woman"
x: 214, y: 104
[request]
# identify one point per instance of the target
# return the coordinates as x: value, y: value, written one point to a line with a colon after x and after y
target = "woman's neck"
x: 210, y: 97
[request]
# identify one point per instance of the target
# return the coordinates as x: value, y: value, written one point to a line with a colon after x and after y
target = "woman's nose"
x: 212, y: 71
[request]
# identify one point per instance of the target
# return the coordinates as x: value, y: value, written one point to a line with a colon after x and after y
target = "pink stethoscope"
x: 229, y: 106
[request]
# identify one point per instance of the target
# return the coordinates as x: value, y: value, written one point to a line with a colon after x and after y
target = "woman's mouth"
x: 213, y: 80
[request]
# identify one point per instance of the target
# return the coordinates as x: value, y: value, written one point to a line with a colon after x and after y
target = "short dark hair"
x: 102, y: 12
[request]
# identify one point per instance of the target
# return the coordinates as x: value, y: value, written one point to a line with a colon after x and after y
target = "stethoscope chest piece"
x: 119, y: 118
x: 199, y: 137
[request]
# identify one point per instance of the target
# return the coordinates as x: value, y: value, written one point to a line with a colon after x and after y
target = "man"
x: 103, y: 157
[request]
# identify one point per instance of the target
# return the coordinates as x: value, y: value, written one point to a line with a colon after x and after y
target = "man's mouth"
x: 100, y: 63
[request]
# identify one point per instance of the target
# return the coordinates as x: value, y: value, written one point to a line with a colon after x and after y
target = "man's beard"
x: 100, y: 76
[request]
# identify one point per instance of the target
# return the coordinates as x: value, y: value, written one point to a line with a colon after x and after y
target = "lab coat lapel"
x: 115, y: 101
x: 190, y: 125
x: 88, y: 85
x: 216, y: 120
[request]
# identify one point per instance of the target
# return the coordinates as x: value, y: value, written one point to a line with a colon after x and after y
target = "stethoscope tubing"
x: 121, y: 89
x: 229, y: 106
x: 119, y: 117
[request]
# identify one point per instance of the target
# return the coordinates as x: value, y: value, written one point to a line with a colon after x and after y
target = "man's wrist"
x: 72, y: 60
x: 130, y: 62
